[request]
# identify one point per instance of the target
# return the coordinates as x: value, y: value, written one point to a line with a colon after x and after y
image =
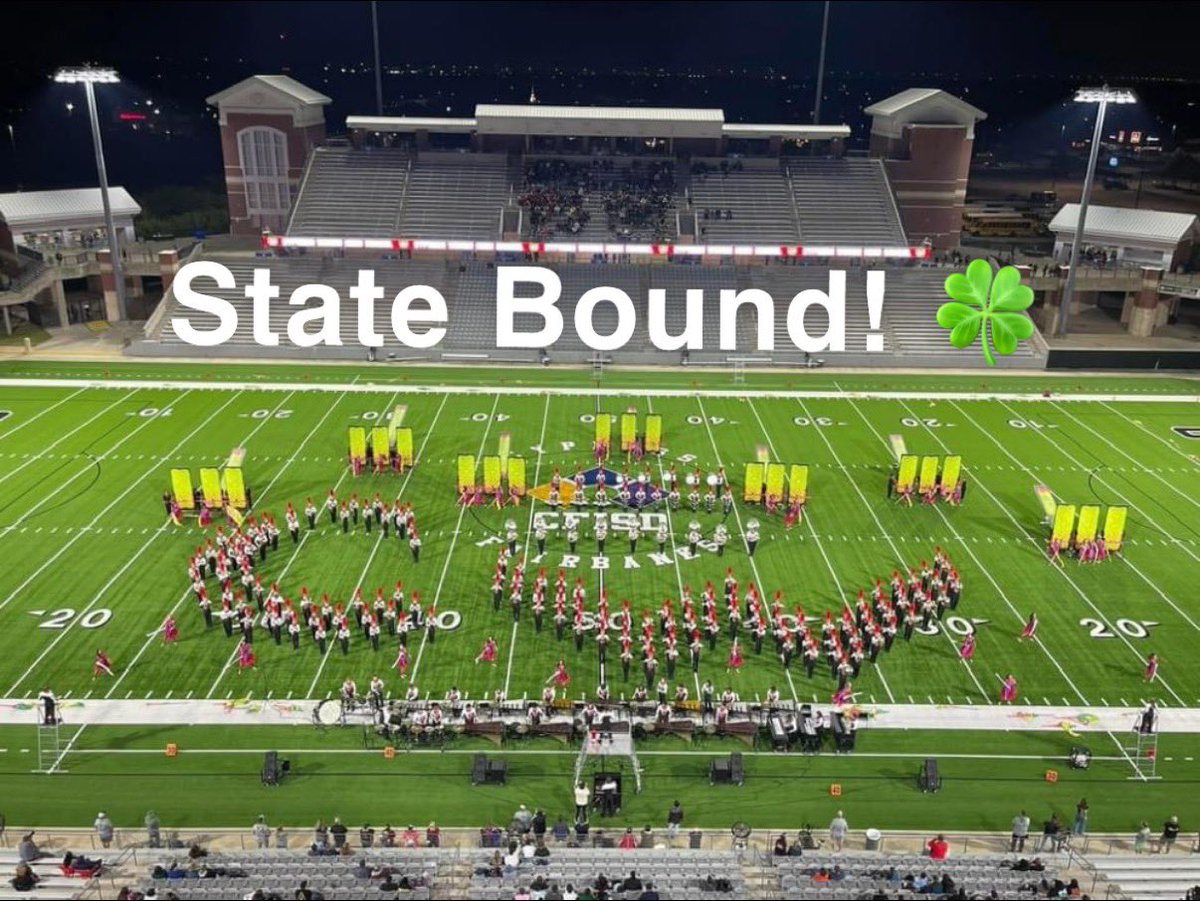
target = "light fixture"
x: 1106, y: 94
x: 81, y: 74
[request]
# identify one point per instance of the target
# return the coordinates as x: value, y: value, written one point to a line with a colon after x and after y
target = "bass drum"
x: 328, y: 712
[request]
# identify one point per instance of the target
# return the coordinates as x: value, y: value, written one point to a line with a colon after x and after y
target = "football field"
x: 90, y: 560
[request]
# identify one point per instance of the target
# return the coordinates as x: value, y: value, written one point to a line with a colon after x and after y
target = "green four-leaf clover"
x: 992, y: 305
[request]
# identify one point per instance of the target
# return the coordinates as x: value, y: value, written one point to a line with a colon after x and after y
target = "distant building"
x: 269, y: 125
x: 925, y: 138
x: 1131, y: 237
x: 58, y: 220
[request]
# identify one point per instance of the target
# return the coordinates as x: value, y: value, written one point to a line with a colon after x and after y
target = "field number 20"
x: 1130, y: 628
x: 59, y: 619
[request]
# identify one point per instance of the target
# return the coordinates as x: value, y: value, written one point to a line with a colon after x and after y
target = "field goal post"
x: 597, y: 366
x: 738, y: 366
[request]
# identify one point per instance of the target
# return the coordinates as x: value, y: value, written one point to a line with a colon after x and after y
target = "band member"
x: 560, y: 676
x: 539, y: 533
x: 102, y: 665
x: 1031, y: 627
x: 414, y: 545
x: 967, y: 651
x: 843, y: 695
x: 752, y: 536
x: 170, y: 630
x: 401, y: 662
x: 1151, y: 670
x: 1008, y: 690
x: 488, y: 654
x: 735, y: 658
x: 246, y: 659
x: 293, y: 523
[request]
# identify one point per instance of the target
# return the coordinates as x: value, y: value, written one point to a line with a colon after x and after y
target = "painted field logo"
x: 993, y: 306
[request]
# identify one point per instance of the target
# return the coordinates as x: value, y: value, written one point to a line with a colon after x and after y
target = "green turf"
x: 82, y: 530
x: 334, y: 776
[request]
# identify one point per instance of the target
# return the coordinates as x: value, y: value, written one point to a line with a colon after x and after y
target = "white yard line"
x: 379, y: 538
x: 258, y: 503
x: 44, y: 451
x: 1039, y: 549
x: 49, y: 409
x: 137, y: 554
x: 514, y: 390
x: 675, y: 560
x: 738, y: 516
x: 1174, y: 489
x: 437, y: 594
x: 1191, y: 458
x: 537, y: 469
x: 89, y: 468
x: 897, y: 555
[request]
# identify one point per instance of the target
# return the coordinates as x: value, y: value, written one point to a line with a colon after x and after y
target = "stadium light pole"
x: 821, y: 66
x: 1102, y: 96
x: 89, y: 77
x: 378, y: 72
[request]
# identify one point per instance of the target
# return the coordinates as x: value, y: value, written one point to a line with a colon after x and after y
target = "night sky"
x: 755, y: 60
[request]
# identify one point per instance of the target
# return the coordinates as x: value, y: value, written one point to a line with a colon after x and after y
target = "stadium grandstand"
x: 647, y: 198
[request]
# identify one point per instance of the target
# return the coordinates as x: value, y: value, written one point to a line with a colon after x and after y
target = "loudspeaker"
x: 479, y: 769
x: 272, y: 772
x: 484, y: 771
x: 929, y: 779
x: 729, y: 770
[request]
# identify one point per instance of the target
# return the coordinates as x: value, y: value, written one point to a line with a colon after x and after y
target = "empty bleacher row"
x: 455, y: 195
x: 351, y: 193
x: 868, y: 876
x: 673, y: 873
x: 281, y: 872
x: 1149, y: 876
x: 909, y: 327
x: 755, y: 195
x: 845, y: 201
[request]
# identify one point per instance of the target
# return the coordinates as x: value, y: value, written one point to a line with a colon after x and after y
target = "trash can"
x: 874, y: 840
x: 695, y: 839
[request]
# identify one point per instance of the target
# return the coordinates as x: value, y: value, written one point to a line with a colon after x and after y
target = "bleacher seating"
x: 979, y: 876
x: 674, y: 873
x: 845, y: 201
x: 282, y: 872
x: 755, y: 192
x: 351, y: 193
x: 52, y: 884
x: 785, y: 282
x: 1149, y: 876
x: 455, y: 195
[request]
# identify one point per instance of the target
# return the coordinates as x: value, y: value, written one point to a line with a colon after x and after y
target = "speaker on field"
x: 929, y: 779
x: 273, y: 768
x: 728, y: 770
x: 488, y: 772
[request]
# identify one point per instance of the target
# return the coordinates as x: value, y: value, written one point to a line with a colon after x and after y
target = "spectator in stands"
x: 1170, y: 833
x: 410, y: 838
x: 262, y: 832
x: 628, y: 841
x: 781, y: 846
x: 433, y: 835
x: 73, y: 864
x: 104, y: 829
x: 24, y: 879
x: 838, y: 829
x: 338, y: 831
x: 539, y: 823
x: 939, y: 848
x: 1079, y: 827
x: 1020, y: 832
x: 28, y: 850
x: 522, y: 819
x: 281, y: 839
x: 1142, y: 838
x: 153, y: 830
x: 631, y: 882
x: 361, y: 870
x: 561, y: 831
x: 366, y: 836
x: 512, y: 860
x: 304, y: 893
x: 674, y: 820
x: 320, y: 834
x: 582, y: 797
x: 387, y: 838
x: 1051, y: 833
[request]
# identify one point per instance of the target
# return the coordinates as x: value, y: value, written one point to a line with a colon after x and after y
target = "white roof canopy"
x: 31, y: 210
x: 605, y: 121
x: 1110, y: 223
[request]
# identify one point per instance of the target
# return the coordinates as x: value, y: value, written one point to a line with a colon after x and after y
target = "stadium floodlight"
x: 89, y: 77
x: 1102, y: 96
x: 82, y: 74
x: 1105, y: 94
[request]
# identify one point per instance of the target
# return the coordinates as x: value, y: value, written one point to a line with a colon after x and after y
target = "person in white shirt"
x: 583, y: 797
